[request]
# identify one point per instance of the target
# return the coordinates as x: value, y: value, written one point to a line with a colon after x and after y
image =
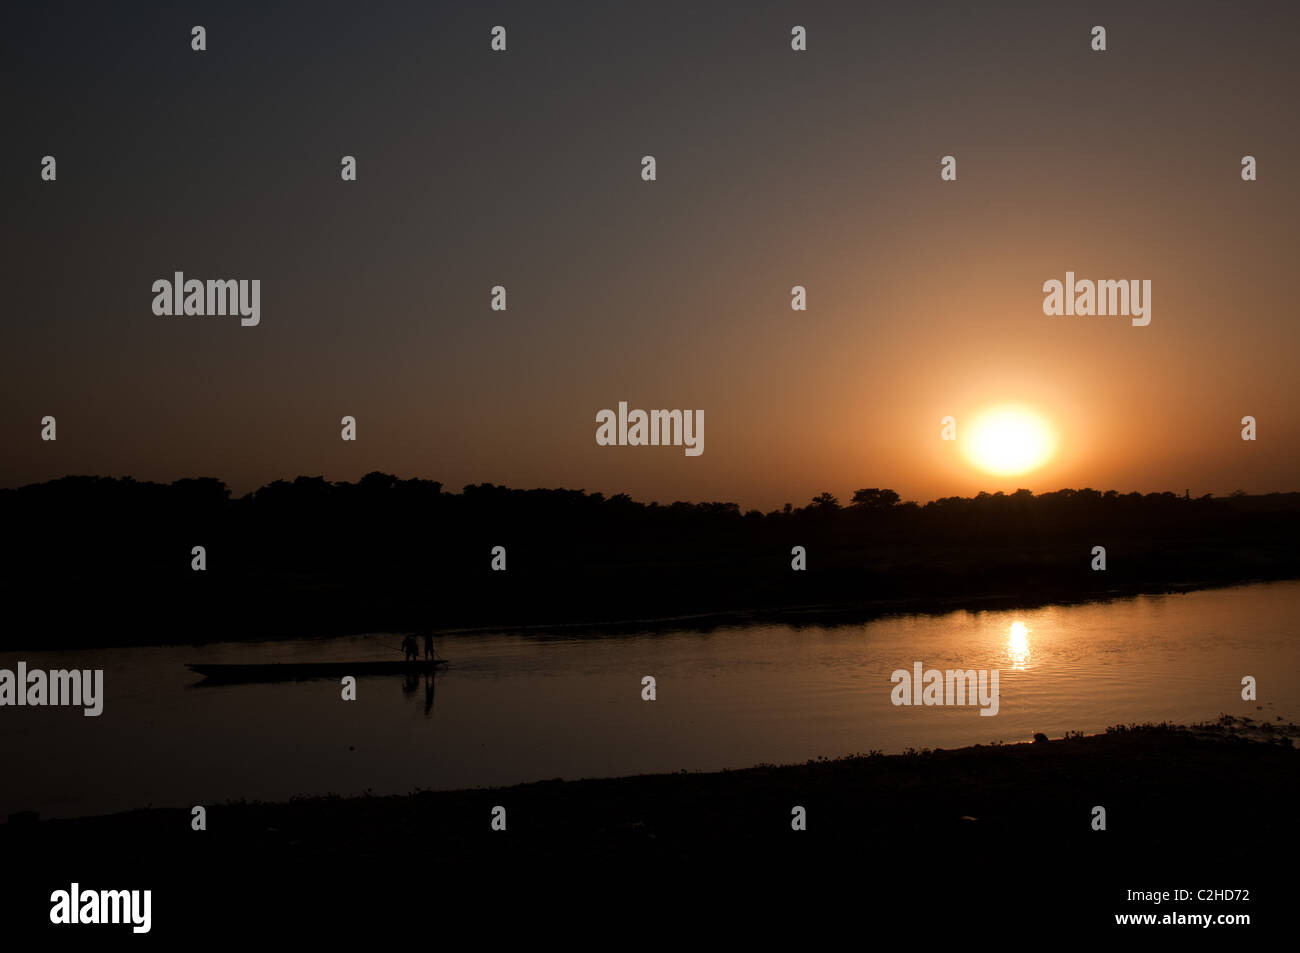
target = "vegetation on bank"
x: 109, y: 561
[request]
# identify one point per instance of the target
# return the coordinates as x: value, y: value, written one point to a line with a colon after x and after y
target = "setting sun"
x: 1008, y: 440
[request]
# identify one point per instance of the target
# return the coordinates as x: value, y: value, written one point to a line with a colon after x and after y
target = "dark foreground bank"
x: 1000, y: 832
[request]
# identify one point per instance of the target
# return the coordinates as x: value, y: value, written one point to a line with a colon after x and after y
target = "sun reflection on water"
x: 1018, y: 646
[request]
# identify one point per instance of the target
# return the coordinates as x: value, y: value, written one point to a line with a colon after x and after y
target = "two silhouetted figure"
x: 411, y: 648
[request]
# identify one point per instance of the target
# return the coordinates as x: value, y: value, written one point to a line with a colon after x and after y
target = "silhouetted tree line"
x: 100, y: 560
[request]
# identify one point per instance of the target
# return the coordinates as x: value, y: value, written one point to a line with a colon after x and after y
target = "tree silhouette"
x: 874, y: 499
x: 108, y: 561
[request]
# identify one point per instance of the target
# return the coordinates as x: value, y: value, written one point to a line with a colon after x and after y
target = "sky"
x: 775, y: 168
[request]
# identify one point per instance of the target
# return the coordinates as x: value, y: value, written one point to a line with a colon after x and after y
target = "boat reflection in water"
x: 300, y: 671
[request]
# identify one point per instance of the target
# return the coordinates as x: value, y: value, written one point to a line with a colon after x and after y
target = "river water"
x: 515, y: 707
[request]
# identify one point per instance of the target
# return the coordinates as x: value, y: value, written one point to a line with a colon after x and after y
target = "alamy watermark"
x: 654, y: 428
x: 952, y: 687
x: 102, y: 906
x: 1105, y: 297
x: 84, y: 687
x: 214, y: 297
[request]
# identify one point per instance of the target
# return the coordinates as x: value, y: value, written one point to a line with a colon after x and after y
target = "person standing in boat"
x: 410, y: 651
x: 428, y: 644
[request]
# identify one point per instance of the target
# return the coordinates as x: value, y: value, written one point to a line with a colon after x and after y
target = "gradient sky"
x: 775, y: 169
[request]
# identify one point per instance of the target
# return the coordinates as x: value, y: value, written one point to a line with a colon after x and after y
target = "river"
x: 514, y: 707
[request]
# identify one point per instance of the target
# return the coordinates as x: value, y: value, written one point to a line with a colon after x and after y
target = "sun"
x: 1008, y: 440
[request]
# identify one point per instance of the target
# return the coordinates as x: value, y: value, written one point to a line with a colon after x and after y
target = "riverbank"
x: 1210, y: 805
x: 310, y: 558
x: 841, y: 612
x: 852, y: 613
x: 982, y: 788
